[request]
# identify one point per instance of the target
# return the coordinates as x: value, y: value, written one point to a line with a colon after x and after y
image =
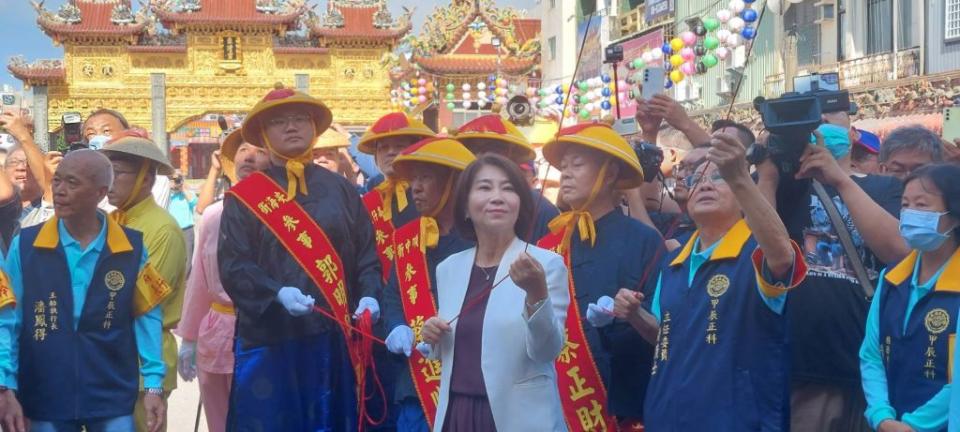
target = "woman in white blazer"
x: 497, y: 346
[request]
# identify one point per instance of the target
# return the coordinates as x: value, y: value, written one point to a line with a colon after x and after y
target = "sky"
x: 20, y: 35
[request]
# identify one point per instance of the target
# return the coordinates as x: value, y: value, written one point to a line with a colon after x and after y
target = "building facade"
x: 176, y: 60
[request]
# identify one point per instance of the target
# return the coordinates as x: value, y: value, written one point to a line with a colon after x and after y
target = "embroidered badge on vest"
x: 114, y: 280
x: 936, y: 321
x: 716, y: 287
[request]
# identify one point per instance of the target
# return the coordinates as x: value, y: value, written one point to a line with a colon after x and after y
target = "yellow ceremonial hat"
x: 598, y: 136
x: 253, y: 124
x: 494, y: 127
x: 228, y: 153
x: 331, y: 139
x: 390, y: 125
x: 446, y: 152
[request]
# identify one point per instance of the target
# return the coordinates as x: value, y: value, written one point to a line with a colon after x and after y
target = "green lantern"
x: 711, y: 23
x: 584, y: 114
x: 451, y: 87
x: 583, y: 86
x: 711, y: 42
x: 638, y: 63
x: 451, y: 106
x: 709, y: 60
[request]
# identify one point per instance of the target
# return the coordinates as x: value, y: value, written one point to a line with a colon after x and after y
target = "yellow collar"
x: 947, y: 281
x: 49, y: 236
x: 730, y: 245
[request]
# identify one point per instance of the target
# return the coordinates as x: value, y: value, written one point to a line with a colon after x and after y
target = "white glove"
x: 400, y: 340
x: 600, y: 314
x: 369, y: 303
x: 187, y: 360
x: 425, y: 349
x: 294, y: 301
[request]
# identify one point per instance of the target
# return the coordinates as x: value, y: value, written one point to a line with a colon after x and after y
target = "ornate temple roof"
x: 38, y: 72
x: 91, y: 18
x: 360, y: 20
x: 460, y: 39
x: 173, y: 13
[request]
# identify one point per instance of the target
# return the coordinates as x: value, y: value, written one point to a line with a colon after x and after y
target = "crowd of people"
x: 406, y: 280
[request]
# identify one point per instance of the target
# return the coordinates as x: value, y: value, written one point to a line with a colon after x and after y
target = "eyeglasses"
x: 683, y: 169
x: 695, y: 179
x: 13, y: 163
x: 282, y: 122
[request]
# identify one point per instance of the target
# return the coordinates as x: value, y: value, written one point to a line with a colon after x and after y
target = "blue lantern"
x: 749, y: 1
x: 749, y: 15
x: 605, y: 92
x: 748, y: 33
x: 605, y: 105
x: 666, y: 48
x: 558, y: 90
x: 558, y: 100
x: 668, y: 84
x: 605, y: 78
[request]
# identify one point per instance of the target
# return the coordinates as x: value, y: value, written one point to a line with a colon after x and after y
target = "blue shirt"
x: 697, y: 259
x: 929, y: 416
x: 82, y: 263
x: 181, y: 209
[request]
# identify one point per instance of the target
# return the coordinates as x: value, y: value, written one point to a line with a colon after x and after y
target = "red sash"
x: 307, y: 243
x: 383, y: 230
x: 582, y: 393
x: 418, y: 306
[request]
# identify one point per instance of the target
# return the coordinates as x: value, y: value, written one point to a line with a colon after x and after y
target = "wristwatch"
x: 154, y: 391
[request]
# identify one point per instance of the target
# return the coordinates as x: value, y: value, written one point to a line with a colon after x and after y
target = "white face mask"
x: 97, y: 142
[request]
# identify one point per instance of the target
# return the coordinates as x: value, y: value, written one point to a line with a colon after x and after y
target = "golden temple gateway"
x: 172, y: 61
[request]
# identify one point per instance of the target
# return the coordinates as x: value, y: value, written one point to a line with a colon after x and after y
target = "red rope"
x: 361, y: 345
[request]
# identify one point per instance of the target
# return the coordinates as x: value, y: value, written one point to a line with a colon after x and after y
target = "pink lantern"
x: 737, y: 6
x: 422, y: 98
x: 422, y: 82
x: 687, y: 53
x: 736, y: 24
x: 688, y: 38
x: 688, y: 68
x: 422, y: 90
x: 722, y: 53
x: 621, y: 84
x: 724, y: 15
x: 656, y: 55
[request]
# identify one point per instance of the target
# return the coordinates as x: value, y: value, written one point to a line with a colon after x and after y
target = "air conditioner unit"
x: 723, y: 87
x: 826, y: 11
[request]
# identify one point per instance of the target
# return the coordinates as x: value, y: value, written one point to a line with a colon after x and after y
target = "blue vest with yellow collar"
x: 721, y: 361
x: 93, y: 371
x: 918, y: 361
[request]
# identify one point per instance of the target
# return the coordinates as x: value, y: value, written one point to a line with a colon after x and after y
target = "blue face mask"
x: 921, y: 229
x: 835, y: 138
x: 97, y: 142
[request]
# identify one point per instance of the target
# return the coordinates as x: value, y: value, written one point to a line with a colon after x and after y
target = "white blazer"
x: 517, y: 353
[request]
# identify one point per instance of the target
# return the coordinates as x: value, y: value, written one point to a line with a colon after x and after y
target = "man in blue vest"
x: 721, y: 360
x: 74, y: 346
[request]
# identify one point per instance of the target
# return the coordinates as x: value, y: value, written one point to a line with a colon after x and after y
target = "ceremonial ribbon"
x: 120, y: 214
x: 580, y: 218
x: 389, y: 189
x: 429, y: 233
x: 294, y: 166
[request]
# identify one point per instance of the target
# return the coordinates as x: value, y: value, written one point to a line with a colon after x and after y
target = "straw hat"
x: 446, y: 152
x: 391, y: 125
x: 598, y: 136
x: 141, y: 148
x: 228, y: 153
x: 494, y: 127
x: 278, y: 97
x: 543, y: 131
x: 331, y: 139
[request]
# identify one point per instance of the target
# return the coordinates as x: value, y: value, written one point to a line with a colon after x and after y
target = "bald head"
x: 93, y: 165
x: 80, y: 183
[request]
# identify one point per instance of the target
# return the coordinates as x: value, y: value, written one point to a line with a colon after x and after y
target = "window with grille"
x: 800, y: 25
x: 951, y: 23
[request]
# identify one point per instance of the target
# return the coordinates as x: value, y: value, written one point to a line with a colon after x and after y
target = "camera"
x: 72, y: 124
x: 520, y: 111
x: 790, y: 119
x: 651, y: 157
x: 613, y: 54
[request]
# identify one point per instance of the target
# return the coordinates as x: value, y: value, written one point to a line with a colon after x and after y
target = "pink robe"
x: 207, y: 321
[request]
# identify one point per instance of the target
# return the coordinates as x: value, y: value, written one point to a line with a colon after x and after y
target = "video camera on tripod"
x: 791, y: 118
